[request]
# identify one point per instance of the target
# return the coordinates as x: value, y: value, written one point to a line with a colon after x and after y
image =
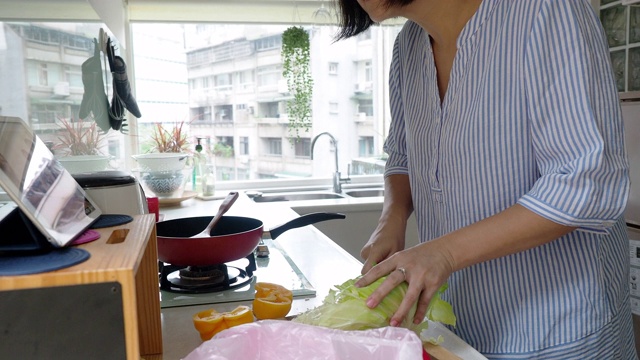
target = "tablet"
x: 43, y: 190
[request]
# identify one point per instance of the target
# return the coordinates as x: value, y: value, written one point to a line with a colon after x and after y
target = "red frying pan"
x: 233, y: 237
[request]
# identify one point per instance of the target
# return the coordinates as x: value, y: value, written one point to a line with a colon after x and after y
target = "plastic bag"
x: 284, y: 340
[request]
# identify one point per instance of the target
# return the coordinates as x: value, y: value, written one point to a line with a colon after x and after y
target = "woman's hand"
x: 386, y: 240
x: 389, y: 236
x: 424, y: 267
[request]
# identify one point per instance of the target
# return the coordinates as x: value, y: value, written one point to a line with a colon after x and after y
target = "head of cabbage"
x: 345, y: 308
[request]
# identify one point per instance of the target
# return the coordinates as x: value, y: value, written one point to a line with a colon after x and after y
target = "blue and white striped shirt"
x: 531, y: 116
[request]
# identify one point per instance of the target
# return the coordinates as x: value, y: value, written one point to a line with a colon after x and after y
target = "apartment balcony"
x: 278, y: 119
x: 363, y: 87
x: 363, y: 119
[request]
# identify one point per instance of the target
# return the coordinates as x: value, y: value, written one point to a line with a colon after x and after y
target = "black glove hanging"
x: 122, y: 96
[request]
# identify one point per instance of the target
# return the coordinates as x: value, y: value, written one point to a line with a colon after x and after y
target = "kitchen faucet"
x: 337, y: 181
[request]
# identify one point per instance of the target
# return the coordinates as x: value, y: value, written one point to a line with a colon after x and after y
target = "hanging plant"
x: 297, y: 72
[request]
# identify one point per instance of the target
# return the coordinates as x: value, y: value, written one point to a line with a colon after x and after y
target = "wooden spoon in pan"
x: 226, y: 204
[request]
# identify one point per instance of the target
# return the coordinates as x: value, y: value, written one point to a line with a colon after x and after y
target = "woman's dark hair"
x: 353, y: 20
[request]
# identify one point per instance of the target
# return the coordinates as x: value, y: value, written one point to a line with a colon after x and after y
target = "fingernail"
x: 394, y: 323
x: 370, y: 303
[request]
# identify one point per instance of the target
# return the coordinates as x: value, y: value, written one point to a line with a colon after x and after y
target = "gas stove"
x: 181, y: 286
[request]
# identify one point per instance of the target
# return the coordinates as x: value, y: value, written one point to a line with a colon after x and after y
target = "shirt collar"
x: 484, y: 11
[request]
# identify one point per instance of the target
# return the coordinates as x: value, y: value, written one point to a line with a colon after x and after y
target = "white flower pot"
x: 156, y: 162
x: 85, y: 163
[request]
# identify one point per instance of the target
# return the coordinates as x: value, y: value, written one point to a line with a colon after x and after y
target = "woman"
x: 507, y: 143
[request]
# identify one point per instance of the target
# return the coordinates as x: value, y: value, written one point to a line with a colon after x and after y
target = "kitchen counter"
x: 322, y: 262
x: 319, y: 258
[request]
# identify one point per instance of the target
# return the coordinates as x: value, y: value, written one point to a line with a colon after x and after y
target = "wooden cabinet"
x: 124, y: 263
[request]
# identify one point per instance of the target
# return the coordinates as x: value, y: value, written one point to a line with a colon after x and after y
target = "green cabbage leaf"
x: 345, y: 308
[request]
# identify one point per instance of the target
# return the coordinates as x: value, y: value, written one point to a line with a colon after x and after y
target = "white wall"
x: 353, y: 232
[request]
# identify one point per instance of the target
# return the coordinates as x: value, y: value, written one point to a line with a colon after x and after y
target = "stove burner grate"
x: 204, y: 279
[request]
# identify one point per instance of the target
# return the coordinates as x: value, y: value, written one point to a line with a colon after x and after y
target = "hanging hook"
x: 101, y: 40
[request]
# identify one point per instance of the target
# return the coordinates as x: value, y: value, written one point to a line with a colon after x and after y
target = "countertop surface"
x: 318, y: 257
x: 322, y: 262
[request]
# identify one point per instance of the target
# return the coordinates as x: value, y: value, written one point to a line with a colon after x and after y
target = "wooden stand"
x: 126, y: 255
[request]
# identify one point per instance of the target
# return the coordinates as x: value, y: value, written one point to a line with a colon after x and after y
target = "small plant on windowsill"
x: 78, y: 146
x: 78, y: 139
x: 169, y: 140
x: 167, y: 149
x: 296, y: 70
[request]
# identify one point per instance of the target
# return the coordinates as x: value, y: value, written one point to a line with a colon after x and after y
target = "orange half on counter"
x: 210, y: 322
x: 272, y: 301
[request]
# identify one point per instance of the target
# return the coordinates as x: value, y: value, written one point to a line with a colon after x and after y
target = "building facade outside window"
x: 223, y: 80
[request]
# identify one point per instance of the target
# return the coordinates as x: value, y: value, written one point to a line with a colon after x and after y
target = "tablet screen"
x: 45, y: 192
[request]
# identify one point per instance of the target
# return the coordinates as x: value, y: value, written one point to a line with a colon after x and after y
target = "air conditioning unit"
x: 361, y: 117
x: 61, y: 89
x: 363, y: 87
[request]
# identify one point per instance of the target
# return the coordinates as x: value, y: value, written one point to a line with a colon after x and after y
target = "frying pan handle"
x: 304, y: 220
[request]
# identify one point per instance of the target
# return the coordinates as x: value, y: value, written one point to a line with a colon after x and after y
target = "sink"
x: 315, y: 193
x: 365, y: 193
x: 297, y: 197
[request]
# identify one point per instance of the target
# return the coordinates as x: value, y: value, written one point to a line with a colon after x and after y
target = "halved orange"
x: 272, y: 301
x: 210, y: 322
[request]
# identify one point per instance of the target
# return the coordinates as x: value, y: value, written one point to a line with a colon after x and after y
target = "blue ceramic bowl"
x: 163, y: 185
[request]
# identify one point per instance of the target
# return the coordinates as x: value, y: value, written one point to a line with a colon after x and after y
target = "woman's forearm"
x: 398, y: 204
x: 514, y: 230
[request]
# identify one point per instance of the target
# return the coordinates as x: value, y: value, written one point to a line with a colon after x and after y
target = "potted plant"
x: 161, y: 169
x: 173, y: 140
x: 168, y: 149
x: 78, y: 147
x: 296, y: 70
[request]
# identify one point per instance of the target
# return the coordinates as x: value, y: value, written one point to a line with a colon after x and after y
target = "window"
x: 333, y: 68
x: 303, y: 147
x: 622, y: 27
x: 224, y: 146
x: 365, y: 146
x: 223, y: 79
x: 114, y: 148
x: 333, y: 107
x: 43, y: 75
x: 274, y: 146
x: 201, y: 114
x: 269, y: 109
x: 244, y: 79
x: 223, y: 113
x: 365, y: 106
x: 365, y: 35
x: 368, y: 71
x: 269, y: 75
x: 269, y: 43
x: 243, y: 146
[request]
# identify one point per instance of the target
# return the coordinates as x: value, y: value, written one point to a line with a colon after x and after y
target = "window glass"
x: 248, y: 101
x: 224, y: 81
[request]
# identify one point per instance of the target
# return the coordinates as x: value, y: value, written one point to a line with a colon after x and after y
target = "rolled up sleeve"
x: 575, y: 122
x: 395, y: 144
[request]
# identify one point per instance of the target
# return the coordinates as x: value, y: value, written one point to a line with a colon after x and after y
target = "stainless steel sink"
x: 365, y: 193
x: 315, y: 193
x: 296, y: 197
